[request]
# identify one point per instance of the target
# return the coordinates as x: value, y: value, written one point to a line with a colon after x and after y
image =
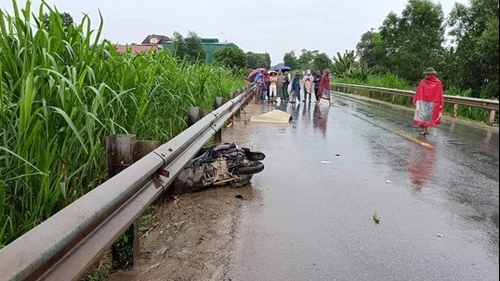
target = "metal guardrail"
x: 491, y: 105
x: 67, y: 244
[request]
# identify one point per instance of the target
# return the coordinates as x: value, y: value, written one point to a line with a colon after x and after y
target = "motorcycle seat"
x: 225, y: 146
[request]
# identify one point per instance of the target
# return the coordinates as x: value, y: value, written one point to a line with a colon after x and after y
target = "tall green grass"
x: 394, y: 82
x: 62, y: 91
x: 387, y: 81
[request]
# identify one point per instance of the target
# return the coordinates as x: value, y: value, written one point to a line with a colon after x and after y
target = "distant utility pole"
x: 225, y: 41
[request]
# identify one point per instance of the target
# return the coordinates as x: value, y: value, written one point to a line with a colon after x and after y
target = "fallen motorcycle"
x: 217, y: 165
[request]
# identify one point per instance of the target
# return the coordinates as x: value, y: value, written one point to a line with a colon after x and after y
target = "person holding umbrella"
x: 282, y: 68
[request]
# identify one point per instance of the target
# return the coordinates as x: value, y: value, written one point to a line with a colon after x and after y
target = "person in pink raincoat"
x: 324, y: 88
x: 428, y: 101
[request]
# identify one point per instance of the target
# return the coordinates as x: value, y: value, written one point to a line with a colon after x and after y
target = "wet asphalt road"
x: 332, y: 168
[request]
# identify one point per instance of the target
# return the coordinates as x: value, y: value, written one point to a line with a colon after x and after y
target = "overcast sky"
x: 260, y: 26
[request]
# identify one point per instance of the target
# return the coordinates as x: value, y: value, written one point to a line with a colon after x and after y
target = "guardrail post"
x: 491, y: 118
x: 120, y: 154
x: 454, y: 113
x: 224, y: 100
x: 143, y: 148
x: 231, y: 96
x: 218, y: 102
x: 193, y: 115
x: 204, y: 112
x: 393, y: 99
x: 123, y: 151
x: 408, y: 101
x: 248, y: 100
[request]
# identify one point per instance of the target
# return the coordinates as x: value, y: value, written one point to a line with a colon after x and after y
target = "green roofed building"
x: 210, y: 45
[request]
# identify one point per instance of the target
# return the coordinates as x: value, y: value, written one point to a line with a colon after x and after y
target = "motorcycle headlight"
x: 233, y: 154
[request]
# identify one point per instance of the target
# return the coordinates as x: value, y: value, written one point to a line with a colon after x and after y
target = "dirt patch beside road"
x: 189, y: 237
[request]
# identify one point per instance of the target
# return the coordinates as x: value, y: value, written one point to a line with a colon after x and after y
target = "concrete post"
x: 454, y: 113
x: 491, y: 118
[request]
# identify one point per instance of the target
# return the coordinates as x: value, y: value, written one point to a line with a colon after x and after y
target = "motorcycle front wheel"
x: 253, y: 168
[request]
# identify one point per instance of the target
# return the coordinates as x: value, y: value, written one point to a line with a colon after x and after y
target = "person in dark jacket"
x: 295, y: 90
x: 316, y: 81
x: 286, y: 82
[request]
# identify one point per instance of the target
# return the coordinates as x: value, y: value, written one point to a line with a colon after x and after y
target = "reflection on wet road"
x: 331, y: 168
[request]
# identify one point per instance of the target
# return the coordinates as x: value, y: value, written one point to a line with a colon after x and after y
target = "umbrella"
x: 283, y: 68
x: 254, y: 72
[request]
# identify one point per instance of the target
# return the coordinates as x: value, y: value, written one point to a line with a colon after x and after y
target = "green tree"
x: 252, y: 60
x: 414, y: 40
x: 321, y: 61
x: 474, y: 30
x: 256, y: 60
x: 64, y: 18
x: 232, y: 57
x: 306, y: 58
x: 189, y: 48
x: 290, y: 60
x: 265, y: 60
x: 371, y: 49
x: 179, y: 45
x: 194, y: 48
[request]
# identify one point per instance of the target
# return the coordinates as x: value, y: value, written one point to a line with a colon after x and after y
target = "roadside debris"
x: 440, y: 235
x: 376, y: 218
x: 326, y: 162
x: 388, y: 181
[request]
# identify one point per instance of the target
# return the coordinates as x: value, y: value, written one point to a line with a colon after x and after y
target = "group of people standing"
x: 278, y: 83
x: 271, y: 86
x: 428, y: 99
